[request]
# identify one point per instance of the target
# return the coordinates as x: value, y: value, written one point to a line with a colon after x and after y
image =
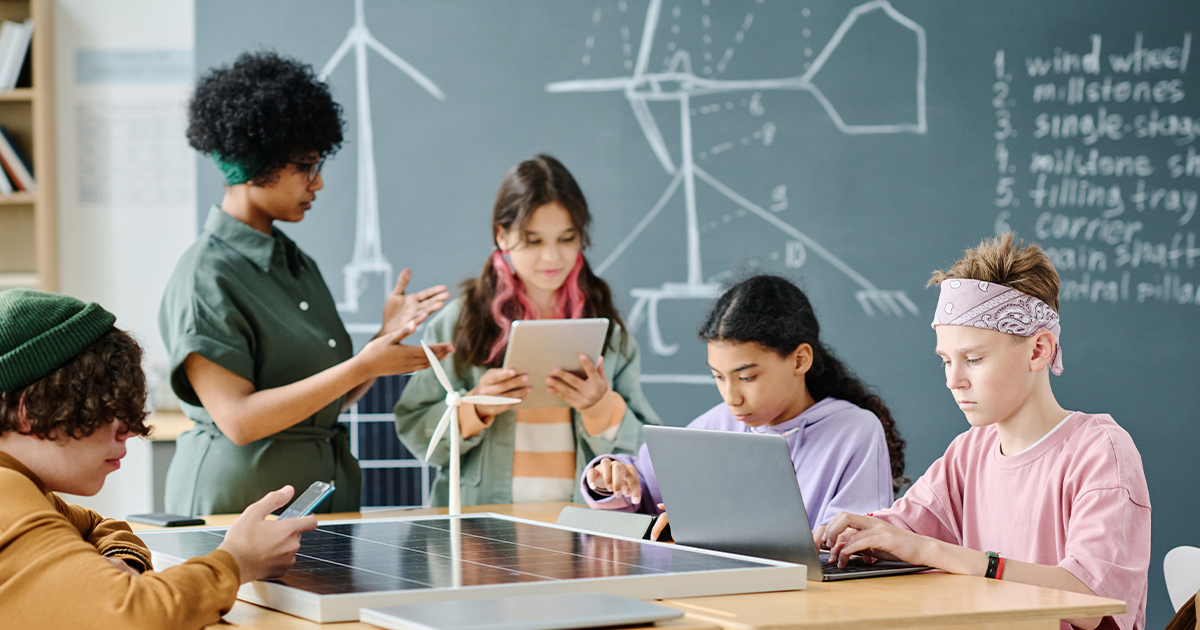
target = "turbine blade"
x: 443, y: 424
x: 408, y: 69
x: 641, y: 111
x: 336, y: 58
x: 591, y: 85
x: 437, y: 368
x: 643, y: 58
x: 490, y: 400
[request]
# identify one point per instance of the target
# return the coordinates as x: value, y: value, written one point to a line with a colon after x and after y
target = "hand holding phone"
x: 307, y: 502
x: 264, y: 548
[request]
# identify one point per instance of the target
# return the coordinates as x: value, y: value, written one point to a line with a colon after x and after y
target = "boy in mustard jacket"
x: 72, y: 391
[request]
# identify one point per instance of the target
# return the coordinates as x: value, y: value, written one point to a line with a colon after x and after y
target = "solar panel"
x: 343, y: 566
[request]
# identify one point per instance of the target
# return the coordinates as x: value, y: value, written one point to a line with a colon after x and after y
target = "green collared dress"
x: 257, y: 306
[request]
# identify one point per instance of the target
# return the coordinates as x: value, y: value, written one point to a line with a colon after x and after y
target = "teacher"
x: 258, y: 356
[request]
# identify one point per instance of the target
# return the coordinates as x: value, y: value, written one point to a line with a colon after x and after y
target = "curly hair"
x: 265, y: 108
x: 103, y: 383
x: 1008, y: 262
x: 774, y: 313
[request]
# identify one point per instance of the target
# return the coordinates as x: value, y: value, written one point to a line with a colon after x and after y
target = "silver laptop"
x: 750, y: 504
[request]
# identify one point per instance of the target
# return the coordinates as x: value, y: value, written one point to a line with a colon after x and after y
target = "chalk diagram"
x: 678, y: 83
x: 368, y: 252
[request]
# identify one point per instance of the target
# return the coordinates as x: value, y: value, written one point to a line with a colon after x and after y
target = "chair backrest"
x: 1182, y: 570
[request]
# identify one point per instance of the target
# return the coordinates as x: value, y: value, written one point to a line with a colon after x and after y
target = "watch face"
x: 993, y: 564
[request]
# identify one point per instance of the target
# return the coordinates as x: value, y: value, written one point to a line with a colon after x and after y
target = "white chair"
x: 1182, y: 570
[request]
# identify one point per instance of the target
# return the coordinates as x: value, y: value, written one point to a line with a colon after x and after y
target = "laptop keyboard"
x: 854, y: 566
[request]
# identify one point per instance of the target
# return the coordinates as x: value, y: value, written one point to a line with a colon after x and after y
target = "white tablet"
x: 527, y: 612
x: 537, y: 346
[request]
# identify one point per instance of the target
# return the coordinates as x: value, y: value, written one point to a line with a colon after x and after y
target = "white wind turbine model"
x: 450, y: 420
x: 368, y: 252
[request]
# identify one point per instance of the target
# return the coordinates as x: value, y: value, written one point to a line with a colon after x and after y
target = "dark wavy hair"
x: 103, y: 383
x: 264, y: 108
x: 774, y: 313
x: 525, y: 188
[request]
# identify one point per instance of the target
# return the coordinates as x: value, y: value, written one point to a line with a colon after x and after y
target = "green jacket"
x: 487, y: 458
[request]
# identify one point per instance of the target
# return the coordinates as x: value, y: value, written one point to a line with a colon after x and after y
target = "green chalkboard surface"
x: 852, y: 146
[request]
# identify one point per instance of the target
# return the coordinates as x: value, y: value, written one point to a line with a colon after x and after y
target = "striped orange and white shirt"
x: 544, y: 454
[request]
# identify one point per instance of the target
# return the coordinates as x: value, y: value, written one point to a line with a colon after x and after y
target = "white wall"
x: 118, y: 248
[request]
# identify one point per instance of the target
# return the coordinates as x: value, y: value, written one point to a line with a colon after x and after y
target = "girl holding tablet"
x: 776, y: 377
x: 540, y: 228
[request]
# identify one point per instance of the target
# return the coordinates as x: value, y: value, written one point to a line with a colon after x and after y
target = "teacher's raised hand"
x: 402, y: 309
x: 385, y: 355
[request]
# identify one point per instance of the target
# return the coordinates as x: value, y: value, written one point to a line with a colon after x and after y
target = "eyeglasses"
x: 310, y: 169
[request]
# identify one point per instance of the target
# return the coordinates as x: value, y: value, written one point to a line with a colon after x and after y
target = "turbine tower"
x: 368, y: 251
x: 678, y: 83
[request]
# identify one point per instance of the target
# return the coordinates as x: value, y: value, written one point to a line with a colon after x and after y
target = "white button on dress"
x: 304, y: 306
x: 332, y: 343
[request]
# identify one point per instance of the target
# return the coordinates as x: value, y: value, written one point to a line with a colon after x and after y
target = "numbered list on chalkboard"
x: 1096, y: 159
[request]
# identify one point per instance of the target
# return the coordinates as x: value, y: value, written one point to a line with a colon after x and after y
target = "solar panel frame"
x: 523, y: 557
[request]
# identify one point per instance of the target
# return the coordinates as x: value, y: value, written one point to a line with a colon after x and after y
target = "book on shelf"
x: 14, y: 48
x: 10, y: 32
x: 6, y: 187
x: 15, y: 165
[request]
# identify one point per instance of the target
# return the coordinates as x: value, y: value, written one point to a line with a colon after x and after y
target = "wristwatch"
x: 995, y: 566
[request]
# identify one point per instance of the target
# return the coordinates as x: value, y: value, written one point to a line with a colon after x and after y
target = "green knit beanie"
x: 39, y: 332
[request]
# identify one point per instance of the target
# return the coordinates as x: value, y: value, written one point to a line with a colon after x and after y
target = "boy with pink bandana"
x: 1031, y: 493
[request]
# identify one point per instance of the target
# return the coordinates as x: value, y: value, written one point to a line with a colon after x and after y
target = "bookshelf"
x: 28, y: 225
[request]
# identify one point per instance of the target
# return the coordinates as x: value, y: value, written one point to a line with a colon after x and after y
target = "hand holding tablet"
x: 580, y: 392
x: 547, y: 352
x: 499, y: 382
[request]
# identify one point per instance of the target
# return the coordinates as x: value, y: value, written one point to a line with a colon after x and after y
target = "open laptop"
x: 737, y: 492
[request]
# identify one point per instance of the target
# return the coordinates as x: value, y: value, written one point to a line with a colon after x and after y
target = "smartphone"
x: 163, y: 519
x: 307, y: 502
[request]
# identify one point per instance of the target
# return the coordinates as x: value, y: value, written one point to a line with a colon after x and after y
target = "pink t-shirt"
x: 1077, y: 500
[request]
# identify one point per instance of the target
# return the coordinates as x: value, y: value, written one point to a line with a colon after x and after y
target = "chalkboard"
x: 852, y: 146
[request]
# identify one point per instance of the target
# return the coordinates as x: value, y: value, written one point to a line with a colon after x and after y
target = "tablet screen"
x: 537, y: 346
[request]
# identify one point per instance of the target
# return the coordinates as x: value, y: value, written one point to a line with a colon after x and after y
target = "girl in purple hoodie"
x: 776, y: 377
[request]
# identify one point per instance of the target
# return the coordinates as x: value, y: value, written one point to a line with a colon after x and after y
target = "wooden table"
x: 906, y: 601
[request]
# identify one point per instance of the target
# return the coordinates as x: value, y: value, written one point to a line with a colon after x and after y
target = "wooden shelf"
x: 168, y: 425
x: 29, y: 222
x: 17, y: 199
x: 18, y: 280
x: 19, y: 94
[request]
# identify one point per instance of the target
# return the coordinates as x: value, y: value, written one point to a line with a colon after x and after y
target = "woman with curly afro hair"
x: 259, y: 358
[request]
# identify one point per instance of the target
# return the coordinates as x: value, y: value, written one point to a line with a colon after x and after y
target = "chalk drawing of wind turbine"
x: 368, y: 252
x: 678, y: 83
